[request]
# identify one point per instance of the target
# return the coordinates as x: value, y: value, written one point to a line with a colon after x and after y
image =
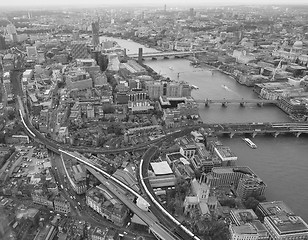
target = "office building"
x: 245, y: 225
x: 227, y: 157
x: 61, y: 205
x: 155, y: 89
x: 173, y: 89
x: 281, y: 222
x: 242, y: 216
x: 104, y: 203
x: 243, y: 232
x: 42, y: 198
x: 2, y: 43
x: 99, y: 233
x: 79, y: 50
x: 227, y: 176
x: 90, y: 111
x: 5, y: 230
x: 191, y: 12
x: 8, y: 62
x: 31, y: 52
x: 75, y: 35
x: 7, y: 83
x: 78, y: 79
x: 95, y: 33
x: 11, y: 29
x: 250, y: 185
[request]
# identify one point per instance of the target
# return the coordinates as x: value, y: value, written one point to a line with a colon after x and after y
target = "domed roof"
x: 298, y: 44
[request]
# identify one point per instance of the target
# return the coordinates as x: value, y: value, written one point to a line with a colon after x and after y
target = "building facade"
x: 281, y: 222
x: 61, y: 205
x: 250, y: 186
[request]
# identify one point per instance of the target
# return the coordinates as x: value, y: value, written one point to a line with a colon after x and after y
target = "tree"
x: 109, y: 109
x: 171, y: 205
x: 11, y: 115
x: 101, y: 140
x: 261, y: 198
x: 251, y: 202
x: 219, y: 230
x: 61, y: 84
x: 182, y: 187
x: 197, y: 174
x: 158, y: 113
x: 2, y: 137
x: 228, y: 202
x: 115, y: 128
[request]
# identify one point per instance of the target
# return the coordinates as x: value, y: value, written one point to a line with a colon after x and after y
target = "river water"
x: 281, y: 162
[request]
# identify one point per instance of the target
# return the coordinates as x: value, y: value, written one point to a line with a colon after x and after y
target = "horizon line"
x: 173, y: 5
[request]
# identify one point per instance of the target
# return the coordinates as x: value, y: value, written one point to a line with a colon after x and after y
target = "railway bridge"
x: 275, y: 129
x: 242, y: 102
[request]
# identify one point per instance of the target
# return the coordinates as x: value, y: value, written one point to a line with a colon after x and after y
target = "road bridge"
x: 166, y: 55
x: 224, y: 102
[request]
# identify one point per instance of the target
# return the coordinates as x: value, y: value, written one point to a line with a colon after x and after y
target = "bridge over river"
x: 224, y: 102
x: 296, y: 128
x: 155, y: 55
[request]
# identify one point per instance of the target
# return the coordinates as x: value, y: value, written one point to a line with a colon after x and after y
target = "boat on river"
x: 194, y: 87
x: 249, y: 143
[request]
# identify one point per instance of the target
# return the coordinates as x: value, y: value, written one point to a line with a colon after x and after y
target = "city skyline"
x: 19, y: 3
x: 153, y: 120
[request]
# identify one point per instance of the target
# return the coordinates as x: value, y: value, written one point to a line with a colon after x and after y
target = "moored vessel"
x: 249, y: 143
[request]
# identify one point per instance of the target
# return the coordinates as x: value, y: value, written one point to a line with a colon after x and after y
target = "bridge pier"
x: 207, y: 103
x: 260, y: 104
x: 276, y: 134
x: 231, y: 134
x: 297, y: 134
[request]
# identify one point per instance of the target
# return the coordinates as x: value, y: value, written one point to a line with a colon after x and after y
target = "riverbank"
x: 271, y: 160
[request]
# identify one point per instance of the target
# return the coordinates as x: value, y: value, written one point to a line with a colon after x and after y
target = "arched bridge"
x: 224, y: 102
x: 155, y: 55
x: 253, y: 129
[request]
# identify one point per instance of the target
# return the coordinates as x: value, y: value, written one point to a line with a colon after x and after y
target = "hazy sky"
x: 144, y: 2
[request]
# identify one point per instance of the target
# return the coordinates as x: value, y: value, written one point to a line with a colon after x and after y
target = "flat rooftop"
x: 283, y: 219
x: 175, y: 156
x: 161, y: 168
x: 225, y: 152
x: 244, y: 229
x: 243, y: 215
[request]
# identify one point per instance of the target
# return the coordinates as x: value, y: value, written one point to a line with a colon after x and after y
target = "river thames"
x: 281, y: 162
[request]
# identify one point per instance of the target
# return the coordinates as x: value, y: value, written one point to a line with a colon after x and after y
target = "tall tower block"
x: 95, y: 33
x: 140, y: 53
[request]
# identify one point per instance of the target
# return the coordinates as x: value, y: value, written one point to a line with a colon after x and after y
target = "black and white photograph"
x: 154, y: 120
